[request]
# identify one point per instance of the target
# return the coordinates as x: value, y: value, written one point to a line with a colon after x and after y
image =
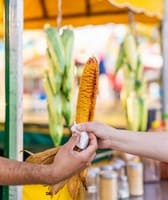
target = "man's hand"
x: 69, y: 161
x: 66, y: 163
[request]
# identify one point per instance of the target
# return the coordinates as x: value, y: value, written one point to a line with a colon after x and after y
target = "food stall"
x: 16, y: 118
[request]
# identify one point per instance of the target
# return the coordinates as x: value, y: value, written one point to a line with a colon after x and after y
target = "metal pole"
x: 59, y: 13
x: 165, y: 63
x: 13, y: 88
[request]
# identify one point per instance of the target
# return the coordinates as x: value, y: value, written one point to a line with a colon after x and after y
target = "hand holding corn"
x: 56, y: 164
x: 78, y: 160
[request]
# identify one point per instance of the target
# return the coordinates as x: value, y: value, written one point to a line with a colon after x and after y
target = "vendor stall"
x: 38, y: 13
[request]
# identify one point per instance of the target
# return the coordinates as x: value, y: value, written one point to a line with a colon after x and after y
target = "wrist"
x: 113, y: 138
x: 43, y: 174
x: 53, y: 174
x: 49, y: 174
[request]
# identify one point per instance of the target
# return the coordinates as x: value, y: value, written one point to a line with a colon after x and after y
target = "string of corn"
x: 133, y: 92
x: 58, y: 80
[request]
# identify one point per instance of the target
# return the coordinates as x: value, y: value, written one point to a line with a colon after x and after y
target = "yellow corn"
x: 86, y: 103
x: 87, y: 91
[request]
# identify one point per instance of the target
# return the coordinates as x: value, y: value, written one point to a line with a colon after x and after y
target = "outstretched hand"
x: 101, y: 131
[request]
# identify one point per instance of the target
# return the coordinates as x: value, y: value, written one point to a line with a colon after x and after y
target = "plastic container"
x: 108, y: 185
x: 135, y: 178
x: 93, y: 184
x: 123, y: 187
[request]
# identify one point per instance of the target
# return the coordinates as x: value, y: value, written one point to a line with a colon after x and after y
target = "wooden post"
x: 165, y: 63
x: 13, y: 88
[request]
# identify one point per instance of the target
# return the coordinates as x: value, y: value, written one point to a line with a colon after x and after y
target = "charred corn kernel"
x: 87, y: 91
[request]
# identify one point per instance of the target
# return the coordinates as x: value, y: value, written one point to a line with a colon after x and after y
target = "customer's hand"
x: 102, y: 132
x: 69, y: 161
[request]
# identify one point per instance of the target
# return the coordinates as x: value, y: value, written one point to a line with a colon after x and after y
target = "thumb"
x: 73, y: 141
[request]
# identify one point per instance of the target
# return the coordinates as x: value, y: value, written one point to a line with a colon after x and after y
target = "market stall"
x: 39, y: 12
x: 44, y: 15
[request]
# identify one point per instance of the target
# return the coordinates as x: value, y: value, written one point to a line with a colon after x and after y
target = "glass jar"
x: 117, y: 167
x: 123, y: 187
x: 108, y: 185
x: 93, y: 183
x: 151, y: 170
x: 135, y: 178
x: 106, y: 168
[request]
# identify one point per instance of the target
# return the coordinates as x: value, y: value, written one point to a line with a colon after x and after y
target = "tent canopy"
x: 148, y: 8
x: 83, y: 12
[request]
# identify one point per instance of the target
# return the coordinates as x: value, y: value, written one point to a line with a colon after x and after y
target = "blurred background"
x: 100, y: 28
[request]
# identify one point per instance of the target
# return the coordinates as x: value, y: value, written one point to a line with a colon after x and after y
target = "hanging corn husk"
x: 58, y: 79
x: 133, y: 91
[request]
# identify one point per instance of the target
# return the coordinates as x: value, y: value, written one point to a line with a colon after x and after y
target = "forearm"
x: 152, y: 145
x: 19, y: 173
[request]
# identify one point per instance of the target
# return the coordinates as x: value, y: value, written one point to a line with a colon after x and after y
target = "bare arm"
x: 152, y: 145
x: 66, y: 163
x: 17, y: 173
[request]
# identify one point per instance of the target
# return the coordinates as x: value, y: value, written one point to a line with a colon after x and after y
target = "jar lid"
x: 91, y: 173
x: 121, y: 162
x: 109, y: 174
x: 135, y: 164
x: 116, y: 166
x: 106, y: 167
x: 96, y: 170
